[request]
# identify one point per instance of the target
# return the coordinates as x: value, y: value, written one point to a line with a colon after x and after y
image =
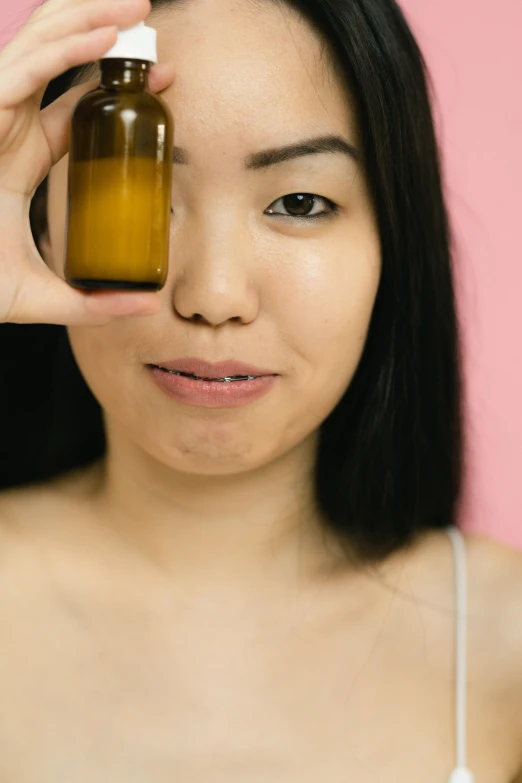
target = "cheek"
x: 102, y: 354
x: 325, y: 302
x: 330, y: 299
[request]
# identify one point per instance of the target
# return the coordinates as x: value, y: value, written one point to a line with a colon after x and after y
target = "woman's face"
x: 283, y: 293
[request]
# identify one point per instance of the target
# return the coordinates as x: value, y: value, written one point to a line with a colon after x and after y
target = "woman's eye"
x: 300, y: 206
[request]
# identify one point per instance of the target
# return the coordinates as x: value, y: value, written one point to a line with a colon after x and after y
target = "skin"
x: 294, y: 298
x: 207, y: 627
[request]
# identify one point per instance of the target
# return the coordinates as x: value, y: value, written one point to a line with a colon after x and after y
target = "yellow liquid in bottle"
x: 118, y: 223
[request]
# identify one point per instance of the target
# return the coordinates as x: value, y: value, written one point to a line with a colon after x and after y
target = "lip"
x: 209, y: 393
x: 204, y: 369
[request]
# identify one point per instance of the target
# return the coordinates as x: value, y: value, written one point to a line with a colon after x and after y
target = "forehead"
x: 251, y: 67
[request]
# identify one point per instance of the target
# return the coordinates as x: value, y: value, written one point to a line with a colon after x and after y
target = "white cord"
x: 461, y: 774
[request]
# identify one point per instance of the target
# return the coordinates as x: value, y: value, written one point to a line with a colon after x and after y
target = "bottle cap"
x: 135, y: 43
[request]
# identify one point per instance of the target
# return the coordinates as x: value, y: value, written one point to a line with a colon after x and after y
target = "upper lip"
x: 204, y: 369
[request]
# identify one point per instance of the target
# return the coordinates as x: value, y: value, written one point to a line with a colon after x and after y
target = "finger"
x: 25, y: 77
x: 36, y: 14
x: 45, y: 298
x: 72, y: 20
x: 51, y: 6
x: 161, y: 76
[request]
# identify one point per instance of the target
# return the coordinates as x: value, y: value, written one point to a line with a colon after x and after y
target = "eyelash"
x: 333, y: 209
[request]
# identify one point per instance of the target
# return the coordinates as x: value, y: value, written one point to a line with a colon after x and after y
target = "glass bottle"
x: 120, y: 175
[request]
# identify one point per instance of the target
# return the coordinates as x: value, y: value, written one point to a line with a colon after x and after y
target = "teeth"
x: 228, y: 379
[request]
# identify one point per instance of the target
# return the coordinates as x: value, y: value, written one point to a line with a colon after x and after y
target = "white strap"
x: 461, y: 774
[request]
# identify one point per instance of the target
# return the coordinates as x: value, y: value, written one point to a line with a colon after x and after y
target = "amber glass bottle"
x: 120, y: 175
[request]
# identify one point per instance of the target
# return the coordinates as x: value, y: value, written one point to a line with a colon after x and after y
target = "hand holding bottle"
x: 58, y: 35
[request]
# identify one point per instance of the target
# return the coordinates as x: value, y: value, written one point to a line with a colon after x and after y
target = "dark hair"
x: 390, y: 459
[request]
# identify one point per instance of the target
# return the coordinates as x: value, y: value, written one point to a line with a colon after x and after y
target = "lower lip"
x: 212, y: 394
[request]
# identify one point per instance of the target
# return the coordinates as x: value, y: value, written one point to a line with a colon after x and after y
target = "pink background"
x: 473, y: 49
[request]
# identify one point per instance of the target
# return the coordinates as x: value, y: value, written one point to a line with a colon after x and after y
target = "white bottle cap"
x: 135, y: 43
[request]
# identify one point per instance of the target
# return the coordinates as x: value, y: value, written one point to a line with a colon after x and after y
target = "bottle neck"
x: 125, y: 75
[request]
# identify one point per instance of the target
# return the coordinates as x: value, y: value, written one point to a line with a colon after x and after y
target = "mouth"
x: 211, y: 389
x: 226, y: 379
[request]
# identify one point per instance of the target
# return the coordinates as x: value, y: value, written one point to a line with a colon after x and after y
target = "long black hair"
x: 390, y: 459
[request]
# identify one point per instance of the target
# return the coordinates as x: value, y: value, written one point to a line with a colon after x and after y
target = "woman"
x: 265, y: 590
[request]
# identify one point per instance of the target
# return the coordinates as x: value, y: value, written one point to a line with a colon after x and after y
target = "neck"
x: 254, y: 529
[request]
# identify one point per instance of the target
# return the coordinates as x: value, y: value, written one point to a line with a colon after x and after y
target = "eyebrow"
x: 331, y: 144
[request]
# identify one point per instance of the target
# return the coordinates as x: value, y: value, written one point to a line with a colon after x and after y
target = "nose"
x: 211, y: 270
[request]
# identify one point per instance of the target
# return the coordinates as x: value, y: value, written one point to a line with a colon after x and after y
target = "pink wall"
x: 474, y: 52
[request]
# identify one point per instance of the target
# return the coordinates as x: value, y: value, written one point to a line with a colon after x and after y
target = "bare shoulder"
x: 24, y: 514
x: 495, y: 601
x: 495, y: 572
x: 33, y: 512
x: 21, y: 509
x: 495, y: 589
x: 22, y: 566
x: 19, y: 506
x: 492, y: 552
x: 493, y: 621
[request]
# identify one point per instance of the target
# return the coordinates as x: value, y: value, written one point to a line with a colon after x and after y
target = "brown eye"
x: 300, y: 205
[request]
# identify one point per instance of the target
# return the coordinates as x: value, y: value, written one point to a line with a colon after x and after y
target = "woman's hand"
x: 57, y: 36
